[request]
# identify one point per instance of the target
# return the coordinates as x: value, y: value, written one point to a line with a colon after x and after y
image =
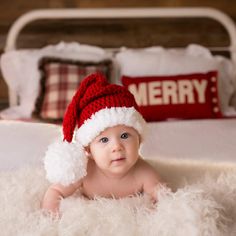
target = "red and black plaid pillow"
x: 191, y: 96
x: 60, y: 80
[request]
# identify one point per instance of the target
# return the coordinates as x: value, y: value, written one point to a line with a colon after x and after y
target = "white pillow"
x: 21, y: 73
x: 157, y: 61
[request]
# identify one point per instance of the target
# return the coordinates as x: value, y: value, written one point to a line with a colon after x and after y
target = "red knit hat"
x: 96, y: 106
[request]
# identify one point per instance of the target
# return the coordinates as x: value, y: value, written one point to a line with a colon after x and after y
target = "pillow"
x: 158, y: 61
x: 60, y: 79
x: 20, y: 70
x: 192, y: 96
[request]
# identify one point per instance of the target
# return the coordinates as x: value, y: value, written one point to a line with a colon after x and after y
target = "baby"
x: 101, y: 158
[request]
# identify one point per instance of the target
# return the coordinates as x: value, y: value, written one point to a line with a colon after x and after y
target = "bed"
x: 191, y: 138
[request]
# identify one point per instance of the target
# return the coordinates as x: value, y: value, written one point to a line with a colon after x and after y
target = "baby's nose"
x: 116, y: 145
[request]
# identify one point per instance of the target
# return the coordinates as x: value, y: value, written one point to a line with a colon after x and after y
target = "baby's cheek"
x: 101, y: 162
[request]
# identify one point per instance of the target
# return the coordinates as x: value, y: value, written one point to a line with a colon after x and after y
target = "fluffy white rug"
x: 200, y: 206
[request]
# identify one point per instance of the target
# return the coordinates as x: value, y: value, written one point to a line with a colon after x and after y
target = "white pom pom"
x: 65, y: 163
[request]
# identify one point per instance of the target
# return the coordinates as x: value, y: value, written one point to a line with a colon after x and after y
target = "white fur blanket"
x: 197, y: 206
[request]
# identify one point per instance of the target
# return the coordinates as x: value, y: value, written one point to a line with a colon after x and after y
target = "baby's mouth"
x: 119, y: 159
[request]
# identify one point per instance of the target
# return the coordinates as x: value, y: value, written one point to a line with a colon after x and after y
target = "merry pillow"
x: 191, y: 96
x: 159, y: 61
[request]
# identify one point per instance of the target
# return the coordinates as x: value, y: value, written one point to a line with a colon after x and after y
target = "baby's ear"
x: 87, y: 151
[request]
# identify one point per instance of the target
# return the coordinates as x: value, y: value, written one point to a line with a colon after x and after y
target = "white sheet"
x: 24, y: 143
x: 199, y: 140
x: 193, y: 139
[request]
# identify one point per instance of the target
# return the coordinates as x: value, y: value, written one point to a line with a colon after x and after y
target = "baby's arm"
x: 150, y: 180
x: 151, y: 187
x: 55, y: 193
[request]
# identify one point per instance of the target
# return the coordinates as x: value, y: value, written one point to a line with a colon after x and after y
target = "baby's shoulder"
x: 145, y: 170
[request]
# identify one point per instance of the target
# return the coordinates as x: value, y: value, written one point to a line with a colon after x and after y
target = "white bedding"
x: 204, y: 208
x: 195, y: 140
x: 213, y: 140
x: 24, y: 142
x: 198, y: 205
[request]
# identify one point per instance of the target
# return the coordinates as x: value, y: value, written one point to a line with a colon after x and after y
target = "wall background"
x: 132, y: 33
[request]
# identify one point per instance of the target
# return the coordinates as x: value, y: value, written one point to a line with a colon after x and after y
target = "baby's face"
x: 115, y: 150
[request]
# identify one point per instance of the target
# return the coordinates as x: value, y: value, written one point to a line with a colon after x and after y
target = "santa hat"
x: 96, y: 106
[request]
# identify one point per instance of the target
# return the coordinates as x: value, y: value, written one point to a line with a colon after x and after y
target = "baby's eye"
x: 124, y: 136
x: 104, y: 140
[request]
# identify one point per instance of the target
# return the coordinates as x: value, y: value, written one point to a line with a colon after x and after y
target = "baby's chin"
x: 119, y: 170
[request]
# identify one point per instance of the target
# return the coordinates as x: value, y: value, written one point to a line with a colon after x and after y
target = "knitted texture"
x: 93, y: 95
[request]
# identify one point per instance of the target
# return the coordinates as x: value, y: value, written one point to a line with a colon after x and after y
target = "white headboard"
x: 119, y: 13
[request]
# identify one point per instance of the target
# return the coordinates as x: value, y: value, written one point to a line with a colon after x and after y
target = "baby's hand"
x: 51, y: 201
x: 54, y: 194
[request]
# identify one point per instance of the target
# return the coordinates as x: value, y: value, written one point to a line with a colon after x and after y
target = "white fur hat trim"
x: 109, y: 117
x: 65, y: 163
